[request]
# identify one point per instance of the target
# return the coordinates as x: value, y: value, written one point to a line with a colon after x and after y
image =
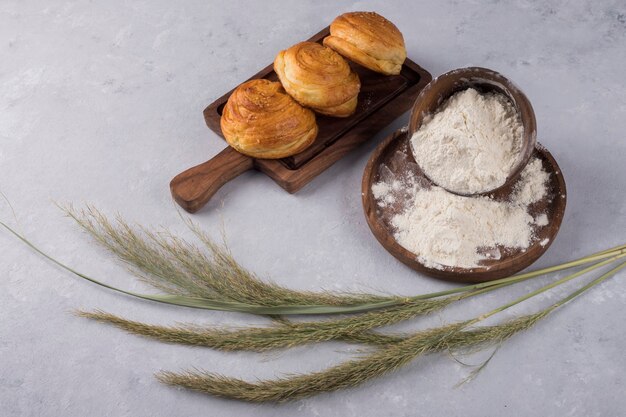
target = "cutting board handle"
x: 193, y: 188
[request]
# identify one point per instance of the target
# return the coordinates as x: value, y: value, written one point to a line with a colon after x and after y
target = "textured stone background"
x: 101, y: 102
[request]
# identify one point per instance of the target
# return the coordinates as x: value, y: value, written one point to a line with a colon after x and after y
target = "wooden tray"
x: 395, y: 157
x: 382, y: 100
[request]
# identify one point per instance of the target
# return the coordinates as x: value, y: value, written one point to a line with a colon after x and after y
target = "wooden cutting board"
x: 382, y: 99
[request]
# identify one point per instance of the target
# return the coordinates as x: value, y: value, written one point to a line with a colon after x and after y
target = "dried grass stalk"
x: 210, y: 278
x: 357, y: 371
x: 176, y: 266
x: 284, y: 335
x: 351, y: 373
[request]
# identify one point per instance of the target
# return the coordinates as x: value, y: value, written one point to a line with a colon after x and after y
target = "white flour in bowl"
x: 471, y: 144
x: 448, y: 230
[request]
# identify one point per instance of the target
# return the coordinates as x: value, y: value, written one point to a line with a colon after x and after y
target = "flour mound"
x: 448, y: 230
x: 471, y: 144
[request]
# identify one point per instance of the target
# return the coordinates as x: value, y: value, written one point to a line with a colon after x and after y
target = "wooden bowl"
x: 483, y: 80
x: 394, y: 157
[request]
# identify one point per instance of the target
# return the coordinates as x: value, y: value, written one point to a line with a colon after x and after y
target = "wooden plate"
x: 382, y: 99
x: 393, y: 157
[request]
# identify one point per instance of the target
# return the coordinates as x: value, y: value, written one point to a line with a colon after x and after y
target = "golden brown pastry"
x: 261, y: 120
x: 319, y: 78
x: 368, y: 39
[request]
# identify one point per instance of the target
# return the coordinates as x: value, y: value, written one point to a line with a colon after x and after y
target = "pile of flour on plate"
x: 471, y: 144
x: 448, y: 230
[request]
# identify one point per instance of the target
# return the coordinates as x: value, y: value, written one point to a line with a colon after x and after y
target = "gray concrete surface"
x: 101, y: 102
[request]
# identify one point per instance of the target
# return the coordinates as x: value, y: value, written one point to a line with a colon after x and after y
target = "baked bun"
x: 319, y: 78
x: 368, y: 39
x: 261, y: 120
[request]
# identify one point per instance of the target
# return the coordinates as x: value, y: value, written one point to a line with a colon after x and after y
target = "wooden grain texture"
x: 483, y: 80
x: 394, y: 154
x: 382, y: 100
x: 193, y: 188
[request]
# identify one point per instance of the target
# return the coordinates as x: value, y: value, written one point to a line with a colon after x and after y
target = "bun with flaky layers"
x: 319, y: 78
x: 368, y: 39
x: 261, y: 120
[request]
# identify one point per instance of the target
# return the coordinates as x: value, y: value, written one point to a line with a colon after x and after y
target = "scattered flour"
x: 384, y: 192
x: 471, y: 144
x: 532, y: 184
x: 381, y: 190
x: 542, y: 220
x: 446, y: 229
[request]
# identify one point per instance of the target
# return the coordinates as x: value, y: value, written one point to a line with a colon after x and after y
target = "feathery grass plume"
x: 354, y: 328
x: 348, y: 374
x: 283, y: 335
x: 176, y: 266
x: 357, y: 371
x: 354, y: 372
x: 479, y: 337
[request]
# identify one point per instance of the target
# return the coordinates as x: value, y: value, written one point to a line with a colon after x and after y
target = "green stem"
x: 548, y: 310
x: 381, y: 339
x: 550, y: 286
x: 616, y: 248
x: 527, y: 275
x: 587, y: 286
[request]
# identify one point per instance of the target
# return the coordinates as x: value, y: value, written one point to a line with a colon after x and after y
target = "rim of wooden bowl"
x: 483, y: 79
